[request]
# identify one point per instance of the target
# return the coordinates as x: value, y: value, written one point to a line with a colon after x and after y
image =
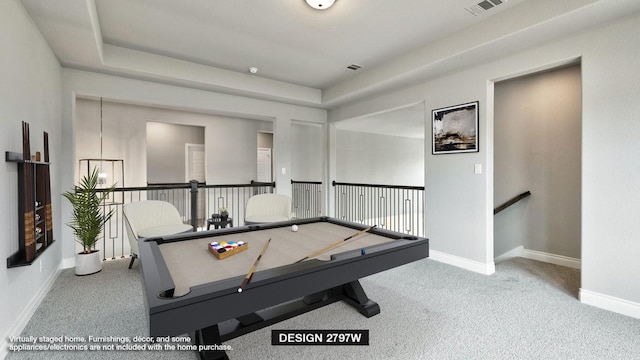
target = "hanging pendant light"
x: 320, y: 4
x: 102, y: 176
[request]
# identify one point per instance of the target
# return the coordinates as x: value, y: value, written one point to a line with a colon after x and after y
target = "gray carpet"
x: 526, y: 310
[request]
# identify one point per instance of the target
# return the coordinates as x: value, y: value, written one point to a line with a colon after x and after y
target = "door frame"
x: 188, y: 149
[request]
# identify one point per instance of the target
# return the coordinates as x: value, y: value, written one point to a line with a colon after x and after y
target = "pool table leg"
x: 352, y: 293
x: 210, y: 335
x: 249, y: 319
x: 133, y: 257
x: 355, y: 296
x: 314, y: 298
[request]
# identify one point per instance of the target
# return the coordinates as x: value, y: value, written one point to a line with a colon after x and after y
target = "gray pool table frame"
x: 297, y: 288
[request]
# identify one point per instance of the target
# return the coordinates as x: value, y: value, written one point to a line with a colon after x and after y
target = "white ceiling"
x: 285, y: 39
x: 301, y: 53
x: 408, y: 122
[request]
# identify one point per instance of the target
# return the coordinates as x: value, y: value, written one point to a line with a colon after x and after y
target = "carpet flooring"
x: 429, y: 310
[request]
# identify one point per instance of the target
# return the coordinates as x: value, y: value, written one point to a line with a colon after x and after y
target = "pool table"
x: 189, y: 290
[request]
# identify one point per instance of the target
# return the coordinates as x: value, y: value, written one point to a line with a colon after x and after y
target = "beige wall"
x: 230, y: 143
x: 537, y: 140
x: 464, y: 236
x: 308, y: 155
x: 30, y: 89
x: 166, y: 151
x: 379, y: 159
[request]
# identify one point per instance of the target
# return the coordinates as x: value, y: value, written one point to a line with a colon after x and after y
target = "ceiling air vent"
x: 485, y: 5
x: 354, y: 67
x: 481, y: 7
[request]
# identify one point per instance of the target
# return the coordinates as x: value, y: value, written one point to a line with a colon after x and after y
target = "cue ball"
x: 239, y: 290
x: 294, y: 228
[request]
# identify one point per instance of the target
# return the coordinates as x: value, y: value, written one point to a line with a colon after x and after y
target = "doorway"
x: 194, y: 169
x: 537, y: 148
x: 264, y: 165
x: 264, y: 162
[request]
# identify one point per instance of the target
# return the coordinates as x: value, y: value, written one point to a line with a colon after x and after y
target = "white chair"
x: 150, y: 218
x: 267, y: 208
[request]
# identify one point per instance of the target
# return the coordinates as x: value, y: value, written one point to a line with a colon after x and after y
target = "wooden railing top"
x: 512, y: 201
x: 170, y: 186
x: 405, y: 187
x: 306, y: 182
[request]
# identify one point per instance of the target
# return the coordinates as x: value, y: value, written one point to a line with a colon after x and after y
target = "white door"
x: 194, y: 170
x: 195, y: 163
x: 264, y: 165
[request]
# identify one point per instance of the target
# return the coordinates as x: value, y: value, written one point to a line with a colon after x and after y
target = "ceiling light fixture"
x: 320, y: 4
x: 102, y: 176
x: 253, y: 69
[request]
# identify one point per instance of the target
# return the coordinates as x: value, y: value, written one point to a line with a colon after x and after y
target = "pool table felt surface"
x: 190, y: 262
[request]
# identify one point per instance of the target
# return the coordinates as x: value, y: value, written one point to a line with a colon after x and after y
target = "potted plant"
x: 224, y: 214
x: 87, y: 220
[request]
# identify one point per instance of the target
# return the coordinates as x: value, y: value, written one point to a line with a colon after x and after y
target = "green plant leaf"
x: 88, y: 216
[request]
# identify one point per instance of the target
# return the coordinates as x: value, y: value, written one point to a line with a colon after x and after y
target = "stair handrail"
x: 512, y: 201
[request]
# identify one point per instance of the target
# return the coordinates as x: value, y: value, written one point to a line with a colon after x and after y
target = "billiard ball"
x: 294, y: 228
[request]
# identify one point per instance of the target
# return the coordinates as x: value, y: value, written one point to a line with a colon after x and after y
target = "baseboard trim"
x: 471, y: 265
x: 552, y: 258
x: 515, y: 252
x: 520, y: 251
x: 26, y: 314
x: 68, y: 263
x: 611, y: 303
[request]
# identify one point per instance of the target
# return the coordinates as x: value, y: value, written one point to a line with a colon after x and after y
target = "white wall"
x: 463, y: 235
x: 265, y: 140
x: 610, y: 156
x: 537, y: 144
x: 29, y: 90
x: 206, y: 108
x: 308, y: 152
x: 231, y: 148
x: 123, y: 137
x: 166, y: 150
x: 230, y: 143
x: 379, y: 159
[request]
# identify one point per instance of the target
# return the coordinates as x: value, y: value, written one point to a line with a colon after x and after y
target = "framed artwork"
x: 455, y: 129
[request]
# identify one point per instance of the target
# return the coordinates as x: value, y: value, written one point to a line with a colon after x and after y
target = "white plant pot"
x: 87, y: 264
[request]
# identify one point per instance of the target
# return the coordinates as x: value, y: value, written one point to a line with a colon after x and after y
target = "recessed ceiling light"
x: 320, y: 4
x: 253, y: 69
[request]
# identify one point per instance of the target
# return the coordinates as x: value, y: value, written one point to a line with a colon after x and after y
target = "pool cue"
x: 316, y: 253
x: 253, y: 267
